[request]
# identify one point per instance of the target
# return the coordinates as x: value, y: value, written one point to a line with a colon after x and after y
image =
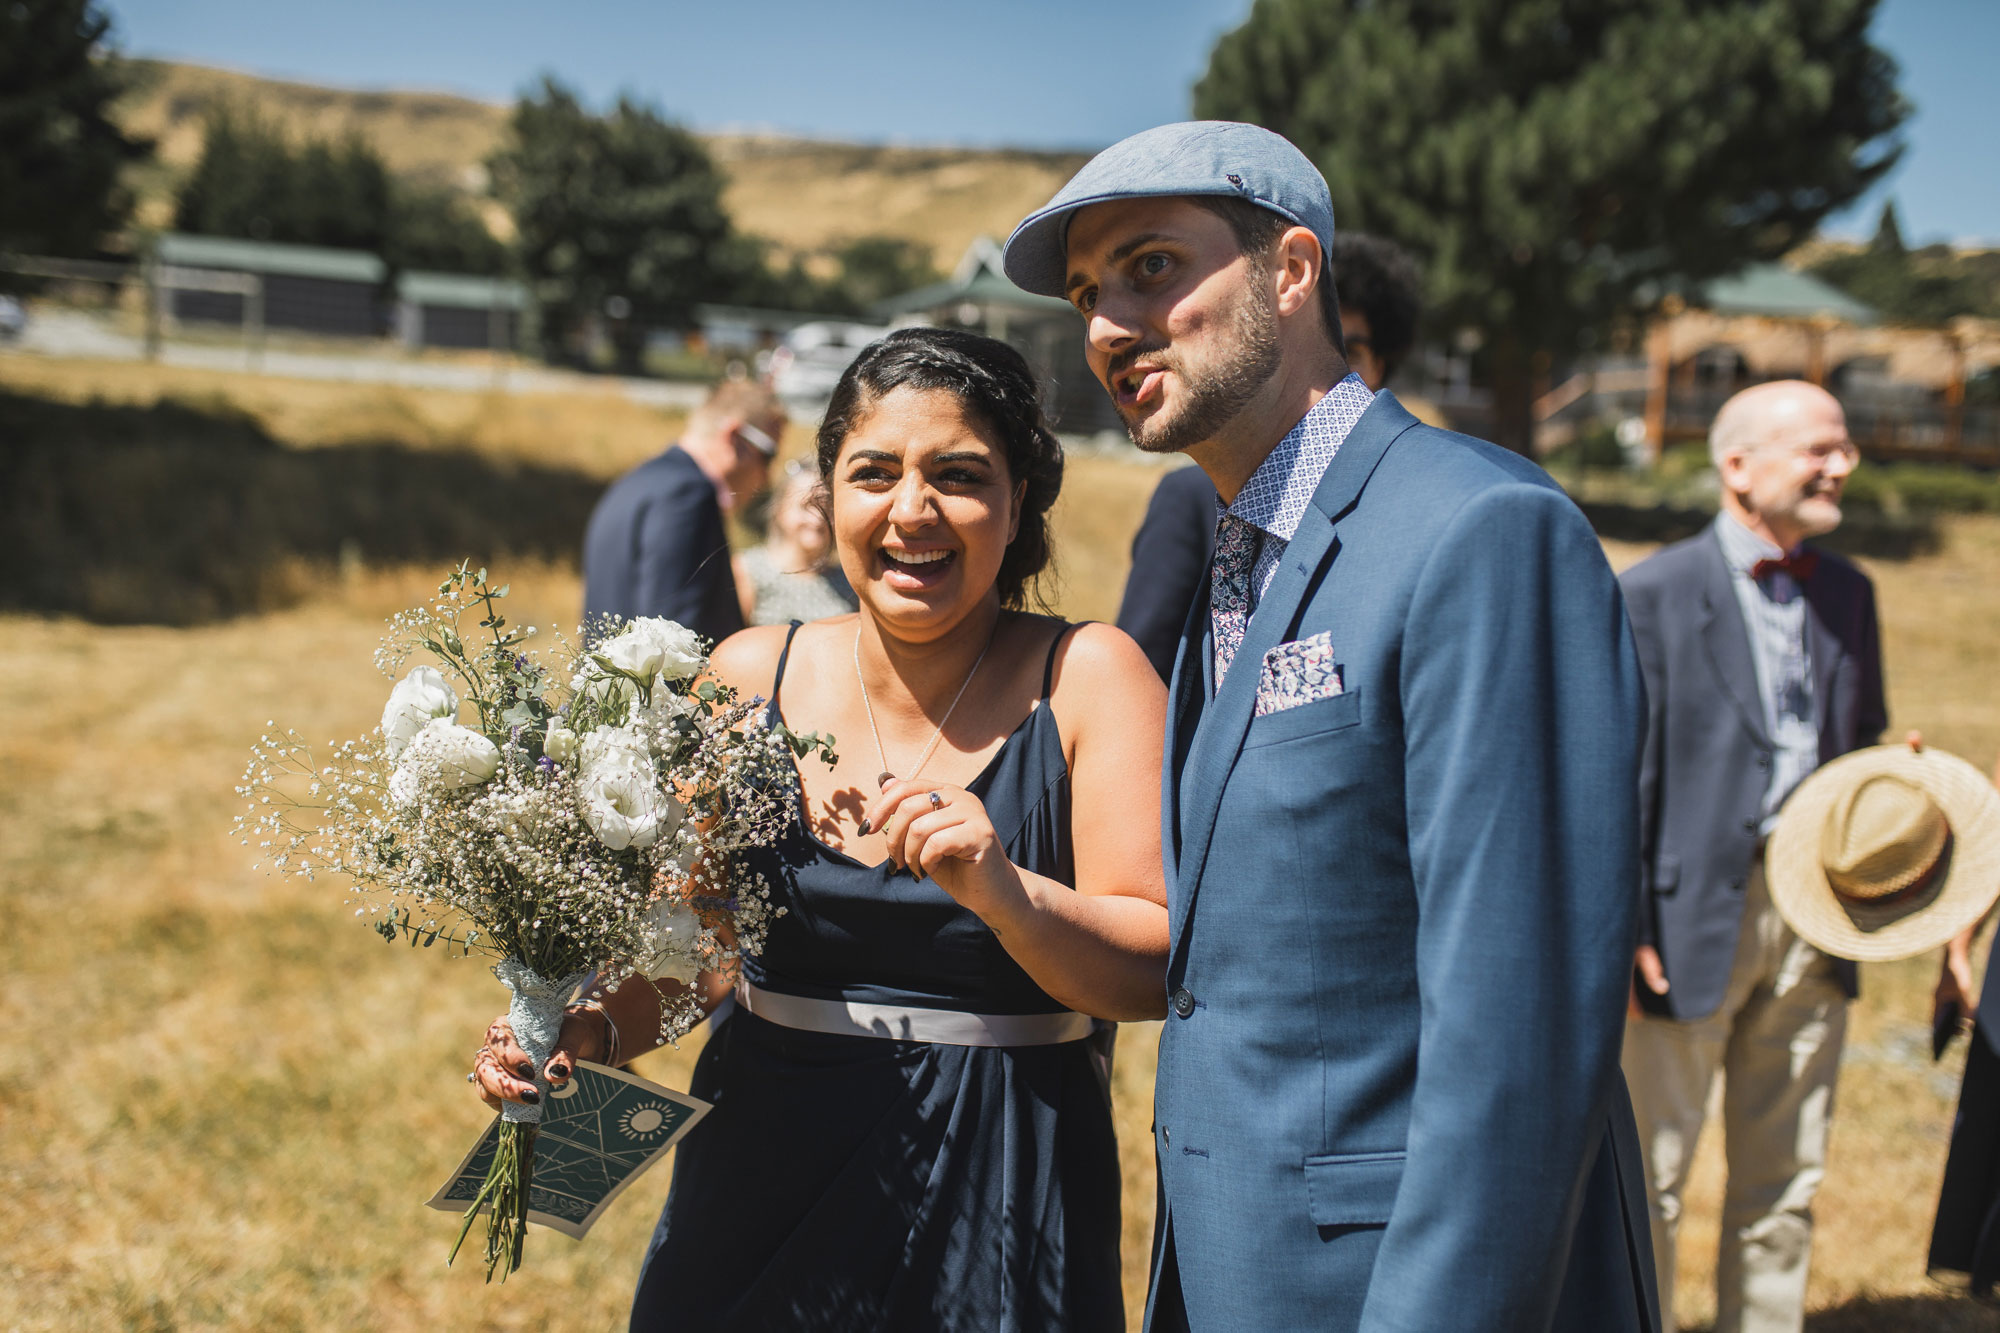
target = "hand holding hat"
x: 1886, y: 852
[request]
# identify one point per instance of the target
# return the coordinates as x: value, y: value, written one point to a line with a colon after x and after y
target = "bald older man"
x: 1762, y: 662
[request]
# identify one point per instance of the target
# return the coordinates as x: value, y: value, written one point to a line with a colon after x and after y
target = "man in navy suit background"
x: 656, y: 545
x: 1762, y: 661
x: 1379, y: 306
x: 1400, y: 814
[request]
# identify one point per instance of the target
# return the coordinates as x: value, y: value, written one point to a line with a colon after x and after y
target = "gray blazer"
x: 1708, y: 751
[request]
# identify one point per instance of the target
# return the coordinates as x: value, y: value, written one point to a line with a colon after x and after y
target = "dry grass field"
x: 226, y: 1101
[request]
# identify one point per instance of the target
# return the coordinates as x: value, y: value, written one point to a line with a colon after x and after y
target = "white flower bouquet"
x: 567, y: 824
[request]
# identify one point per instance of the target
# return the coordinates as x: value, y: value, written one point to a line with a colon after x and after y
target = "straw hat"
x: 1886, y: 852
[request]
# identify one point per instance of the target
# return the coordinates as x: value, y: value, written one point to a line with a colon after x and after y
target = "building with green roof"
x: 458, y: 310
x: 980, y: 296
x: 304, y: 287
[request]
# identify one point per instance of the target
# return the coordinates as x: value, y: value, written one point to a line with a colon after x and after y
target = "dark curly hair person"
x: 995, y: 384
x: 912, y: 1127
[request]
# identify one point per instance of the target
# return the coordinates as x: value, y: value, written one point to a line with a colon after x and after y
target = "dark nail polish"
x: 863, y: 830
x: 525, y: 1070
x: 531, y: 1096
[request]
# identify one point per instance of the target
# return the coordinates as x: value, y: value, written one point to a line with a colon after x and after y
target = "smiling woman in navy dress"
x: 912, y: 1128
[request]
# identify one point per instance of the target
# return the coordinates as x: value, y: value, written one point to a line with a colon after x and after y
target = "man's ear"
x: 1729, y: 470
x: 1296, y: 264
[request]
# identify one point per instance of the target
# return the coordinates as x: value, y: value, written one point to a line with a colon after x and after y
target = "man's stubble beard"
x: 1215, y: 395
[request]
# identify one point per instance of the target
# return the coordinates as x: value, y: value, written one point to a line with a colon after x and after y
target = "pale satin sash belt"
x: 896, y: 1022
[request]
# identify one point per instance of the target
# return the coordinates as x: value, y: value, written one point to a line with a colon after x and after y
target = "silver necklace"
x: 885, y: 777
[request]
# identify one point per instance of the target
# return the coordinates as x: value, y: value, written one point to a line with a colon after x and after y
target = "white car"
x: 808, y: 363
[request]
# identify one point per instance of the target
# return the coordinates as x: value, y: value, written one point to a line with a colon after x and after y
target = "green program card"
x: 600, y: 1131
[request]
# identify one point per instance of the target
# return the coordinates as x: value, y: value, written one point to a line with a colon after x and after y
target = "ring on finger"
x: 937, y: 801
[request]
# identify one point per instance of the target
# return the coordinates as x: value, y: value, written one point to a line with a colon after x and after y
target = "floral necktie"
x: 1229, y: 589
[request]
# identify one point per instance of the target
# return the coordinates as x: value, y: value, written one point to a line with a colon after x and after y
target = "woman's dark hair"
x: 993, y: 382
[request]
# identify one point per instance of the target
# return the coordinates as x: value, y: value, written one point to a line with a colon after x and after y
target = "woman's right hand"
x: 503, y: 1072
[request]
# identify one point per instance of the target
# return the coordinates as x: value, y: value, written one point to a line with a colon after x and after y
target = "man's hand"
x: 1647, y: 968
x: 1954, y: 984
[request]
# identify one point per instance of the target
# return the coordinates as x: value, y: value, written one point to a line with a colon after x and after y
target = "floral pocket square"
x: 1298, y: 673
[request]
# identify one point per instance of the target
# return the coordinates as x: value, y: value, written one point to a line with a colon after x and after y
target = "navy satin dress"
x: 1966, y: 1236
x: 851, y: 1182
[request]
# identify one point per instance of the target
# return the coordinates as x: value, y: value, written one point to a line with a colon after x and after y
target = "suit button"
x: 1749, y: 826
x: 1763, y: 761
x: 1183, y: 1001
x: 1166, y: 1136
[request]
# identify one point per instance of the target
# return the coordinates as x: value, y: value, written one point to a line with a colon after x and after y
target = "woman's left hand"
x: 942, y: 832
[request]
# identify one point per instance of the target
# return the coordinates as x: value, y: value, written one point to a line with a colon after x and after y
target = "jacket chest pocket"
x: 1334, y: 713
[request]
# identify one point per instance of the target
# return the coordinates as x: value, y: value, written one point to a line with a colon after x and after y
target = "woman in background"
x: 787, y: 576
x: 1966, y: 1238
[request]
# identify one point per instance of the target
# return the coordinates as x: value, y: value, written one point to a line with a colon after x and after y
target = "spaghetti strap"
x: 778, y: 678
x: 1049, y: 669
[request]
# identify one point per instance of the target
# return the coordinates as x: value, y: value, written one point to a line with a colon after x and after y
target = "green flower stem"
x: 505, y: 1193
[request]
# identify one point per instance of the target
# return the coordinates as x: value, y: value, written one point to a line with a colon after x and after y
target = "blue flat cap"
x: 1218, y: 157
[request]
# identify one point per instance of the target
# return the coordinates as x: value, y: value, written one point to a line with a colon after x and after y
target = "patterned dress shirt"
x: 1275, y: 498
x: 1774, y: 613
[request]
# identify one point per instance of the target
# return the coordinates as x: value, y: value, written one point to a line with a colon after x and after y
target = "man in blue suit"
x: 1399, y: 812
x: 656, y: 545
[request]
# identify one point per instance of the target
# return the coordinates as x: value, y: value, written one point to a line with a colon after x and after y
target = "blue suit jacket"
x: 1388, y: 1091
x: 1708, y: 750
x: 656, y: 547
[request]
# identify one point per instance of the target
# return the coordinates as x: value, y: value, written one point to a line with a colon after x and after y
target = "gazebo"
x: 978, y: 295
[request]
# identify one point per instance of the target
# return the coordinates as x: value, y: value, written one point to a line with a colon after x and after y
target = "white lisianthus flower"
x: 653, y: 646
x: 625, y: 805
x: 635, y: 652
x: 672, y: 933
x: 443, y: 755
x: 613, y: 746
x: 681, y: 657
x: 560, y: 742
x: 418, y: 698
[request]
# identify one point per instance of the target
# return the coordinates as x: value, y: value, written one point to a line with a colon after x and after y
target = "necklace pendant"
x: 884, y: 778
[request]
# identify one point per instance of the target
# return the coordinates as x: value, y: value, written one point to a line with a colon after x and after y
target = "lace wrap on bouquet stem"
x: 536, y: 1013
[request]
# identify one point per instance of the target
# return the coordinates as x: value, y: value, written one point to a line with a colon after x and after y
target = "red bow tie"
x: 1800, y: 566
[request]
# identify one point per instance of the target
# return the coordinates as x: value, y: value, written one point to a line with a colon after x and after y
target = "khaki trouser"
x: 1776, y: 1039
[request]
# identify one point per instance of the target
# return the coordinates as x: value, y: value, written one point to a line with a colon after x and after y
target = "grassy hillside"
x: 804, y: 195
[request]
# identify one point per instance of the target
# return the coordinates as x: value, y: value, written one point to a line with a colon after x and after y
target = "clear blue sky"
x: 1032, y: 73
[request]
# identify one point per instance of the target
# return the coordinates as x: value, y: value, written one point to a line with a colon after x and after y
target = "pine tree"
x: 1556, y: 162
x: 61, y: 153
x: 1888, y: 233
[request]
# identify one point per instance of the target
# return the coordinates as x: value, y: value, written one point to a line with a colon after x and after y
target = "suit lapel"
x: 1219, y: 738
x: 1727, y: 640
x: 1186, y: 692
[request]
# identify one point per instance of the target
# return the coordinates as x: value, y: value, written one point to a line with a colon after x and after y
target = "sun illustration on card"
x: 643, y: 1122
